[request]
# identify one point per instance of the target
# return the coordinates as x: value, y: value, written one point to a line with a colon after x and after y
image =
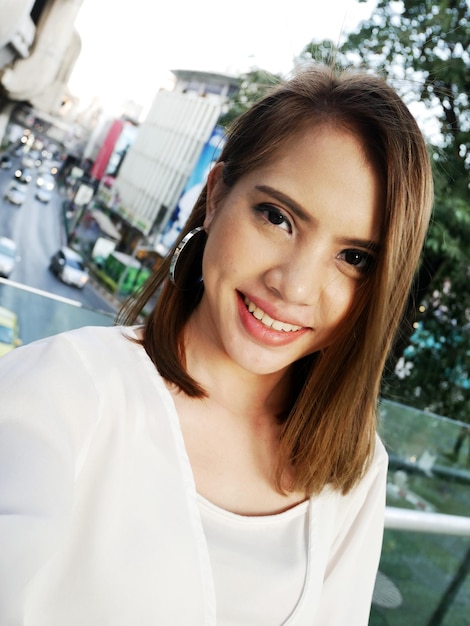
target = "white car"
x: 45, y: 181
x: 23, y: 175
x: 43, y: 195
x: 8, y: 256
x: 68, y: 265
x: 15, y: 194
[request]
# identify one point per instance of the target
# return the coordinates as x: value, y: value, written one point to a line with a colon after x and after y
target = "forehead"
x: 323, y: 139
x: 325, y: 169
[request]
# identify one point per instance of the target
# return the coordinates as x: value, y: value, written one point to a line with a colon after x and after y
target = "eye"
x: 274, y: 216
x: 359, y: 259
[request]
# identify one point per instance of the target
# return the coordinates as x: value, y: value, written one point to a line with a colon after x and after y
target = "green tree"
x: 253, y: 86
x: 422, y: 47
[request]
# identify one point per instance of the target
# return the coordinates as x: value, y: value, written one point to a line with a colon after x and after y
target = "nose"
x: 300, y: 277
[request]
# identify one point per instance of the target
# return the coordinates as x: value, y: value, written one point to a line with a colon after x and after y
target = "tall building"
x: 167, y: 148
x: 38, y: 50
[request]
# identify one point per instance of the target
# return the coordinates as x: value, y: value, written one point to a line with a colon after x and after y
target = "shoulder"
x: 67, y: 373
x: 371, y: 487
x: 380, y: 457
x: 364, y: 505
x: 63, y: 387
x: 369, y: 490
x: 375, y: 475
x: 92, y: 346
x: 88, y: 339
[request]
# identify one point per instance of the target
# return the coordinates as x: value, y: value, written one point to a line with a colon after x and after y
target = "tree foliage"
x: 424, y: 47
x: 253, y: 85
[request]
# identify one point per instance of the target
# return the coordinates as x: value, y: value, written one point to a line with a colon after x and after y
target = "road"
x: 37, y: 229
x: 38, y: 232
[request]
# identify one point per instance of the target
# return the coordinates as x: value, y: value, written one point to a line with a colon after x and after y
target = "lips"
x: 267, y: 320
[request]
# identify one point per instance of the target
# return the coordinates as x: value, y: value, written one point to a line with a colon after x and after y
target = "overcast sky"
x: 129, y: 46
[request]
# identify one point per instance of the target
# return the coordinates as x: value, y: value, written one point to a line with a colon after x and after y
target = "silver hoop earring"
x: 179, y: 249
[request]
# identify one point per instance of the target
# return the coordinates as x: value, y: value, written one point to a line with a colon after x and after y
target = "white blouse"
x: 100, y: 522
x: 258, y: 563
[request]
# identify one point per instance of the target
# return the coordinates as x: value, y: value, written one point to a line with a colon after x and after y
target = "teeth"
x: 268, y: 321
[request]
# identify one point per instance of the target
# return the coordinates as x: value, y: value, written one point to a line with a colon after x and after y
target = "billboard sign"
x: 194, y: 185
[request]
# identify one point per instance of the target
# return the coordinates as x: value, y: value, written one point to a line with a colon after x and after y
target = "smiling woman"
x: 226, y: 451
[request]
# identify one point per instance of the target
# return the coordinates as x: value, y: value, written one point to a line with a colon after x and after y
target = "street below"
x: 37, y: 229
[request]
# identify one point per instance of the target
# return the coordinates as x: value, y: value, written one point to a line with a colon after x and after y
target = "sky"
x: 129, y: 47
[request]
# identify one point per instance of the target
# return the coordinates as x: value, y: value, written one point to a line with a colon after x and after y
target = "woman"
x: 220, y: 465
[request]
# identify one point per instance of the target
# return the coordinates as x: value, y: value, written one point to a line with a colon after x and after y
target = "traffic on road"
x: 33, y: 241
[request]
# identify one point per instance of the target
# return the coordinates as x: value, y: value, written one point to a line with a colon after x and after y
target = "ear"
x: 215, y: 186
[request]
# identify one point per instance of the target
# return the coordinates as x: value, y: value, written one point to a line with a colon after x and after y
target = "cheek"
x: 228, y: 250
x: 341, y: 299
x: 220, y: 258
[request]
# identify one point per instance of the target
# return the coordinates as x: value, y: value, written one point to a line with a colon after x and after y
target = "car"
x: 5, y: 162
x: 45, y: 181
x: 69, y: 266
x: 23, y: 175
x: 43, y: 195
x: 31, y: 159
x: 8, y: 256
x: 15, y: 194
x: 9, y: 339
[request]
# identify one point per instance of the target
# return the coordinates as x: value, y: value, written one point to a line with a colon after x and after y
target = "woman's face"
x: 288, y: 248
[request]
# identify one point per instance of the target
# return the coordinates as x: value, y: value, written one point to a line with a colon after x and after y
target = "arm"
x: 36, y: 484
x: 38, y: 443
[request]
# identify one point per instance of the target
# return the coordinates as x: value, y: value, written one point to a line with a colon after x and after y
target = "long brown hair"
x: 329, y: 433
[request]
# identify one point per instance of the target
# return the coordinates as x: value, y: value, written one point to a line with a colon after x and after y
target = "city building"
x: 167, y: 148
x: 38, y: 50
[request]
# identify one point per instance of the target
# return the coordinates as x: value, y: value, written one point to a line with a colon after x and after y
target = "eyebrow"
x: 368, y: 244
x: 281, y: 197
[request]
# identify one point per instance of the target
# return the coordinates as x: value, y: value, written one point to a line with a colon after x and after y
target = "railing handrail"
x: 454, y: 474
x: 426, y: 522
x: 40, y: 292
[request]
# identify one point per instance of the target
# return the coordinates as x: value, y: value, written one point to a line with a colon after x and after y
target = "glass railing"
x: 423, y: 577
x: 35, y: 314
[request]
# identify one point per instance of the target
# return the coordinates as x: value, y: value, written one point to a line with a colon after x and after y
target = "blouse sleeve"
x: 355, y: 553
x: 43, y: 418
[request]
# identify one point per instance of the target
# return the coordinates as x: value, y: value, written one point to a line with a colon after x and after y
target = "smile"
x: 268, y: 321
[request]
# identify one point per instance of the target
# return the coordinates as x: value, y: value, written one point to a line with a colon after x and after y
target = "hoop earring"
x: 179, y: 249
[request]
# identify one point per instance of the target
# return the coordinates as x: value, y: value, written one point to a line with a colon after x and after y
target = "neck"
x: 232, y: 387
